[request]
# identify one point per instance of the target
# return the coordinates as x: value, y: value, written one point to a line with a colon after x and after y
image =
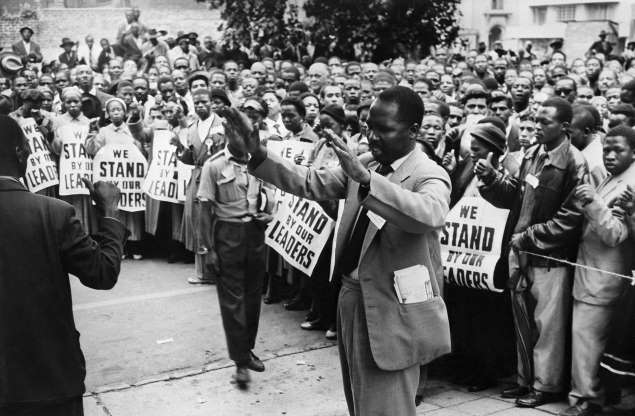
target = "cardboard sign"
x: 471, y: 243
x: 299, y: 231
x: 41, y: 171
x: 75, y: 163
x: 162, y: 181
x: 184, y: 175
x: 289, y: 149
x: 126, y: 167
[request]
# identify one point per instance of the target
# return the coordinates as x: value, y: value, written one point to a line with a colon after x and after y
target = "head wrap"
x: 119, y: 100
x: 71, y: 92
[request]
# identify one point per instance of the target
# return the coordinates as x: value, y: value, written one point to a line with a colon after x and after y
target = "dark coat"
x: 553, y: 220
x: 18, y: 49
x: 69, y: 59
x: 41, y: 243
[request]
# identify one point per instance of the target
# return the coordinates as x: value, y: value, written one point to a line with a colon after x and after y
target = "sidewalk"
x: 298, y: 384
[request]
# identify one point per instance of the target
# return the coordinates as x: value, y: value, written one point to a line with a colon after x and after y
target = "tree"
x: 381, y: 29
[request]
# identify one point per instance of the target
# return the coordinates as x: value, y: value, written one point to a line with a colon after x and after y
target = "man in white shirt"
x: 89, y: 52
x: 26, y: 47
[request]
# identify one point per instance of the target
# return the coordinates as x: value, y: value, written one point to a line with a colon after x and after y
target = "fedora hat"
x: 22, y: 29
x: 10, y: 62
x: 66, y: 41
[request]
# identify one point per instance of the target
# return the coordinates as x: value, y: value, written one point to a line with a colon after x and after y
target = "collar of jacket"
x: 8, y: 184
x: 558, y: 157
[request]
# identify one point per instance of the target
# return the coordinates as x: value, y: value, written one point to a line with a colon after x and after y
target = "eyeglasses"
x: 564, y: 91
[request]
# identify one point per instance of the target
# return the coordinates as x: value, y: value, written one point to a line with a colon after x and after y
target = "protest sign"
x: 75, y: 163
x: 184, y: 175
x: 162, y: 181
x: 41, y: 171
x: 288, y: 150
x: 126, y: 167
x: 471, y: 243
x: 299, y: 231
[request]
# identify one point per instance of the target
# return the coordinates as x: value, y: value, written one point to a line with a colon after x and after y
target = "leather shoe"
x: 297, y: 305
x: 515, y: 392
x: 242, y: 377
x: 418, y: 399
x: 313, y: 325
x: 255, y: 363
x: 536, y: 398
x: 200, y: 281
x: 581, y: 410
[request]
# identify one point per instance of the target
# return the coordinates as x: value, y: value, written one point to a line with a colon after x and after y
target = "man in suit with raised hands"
x: 396, y: 201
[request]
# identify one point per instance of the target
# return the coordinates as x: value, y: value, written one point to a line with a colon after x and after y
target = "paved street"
x: 154, y: 345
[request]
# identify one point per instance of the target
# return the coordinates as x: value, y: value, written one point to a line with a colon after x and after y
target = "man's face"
x: 45, y: 81
x: 476, y: 106
x: 510, y: 77
x: 104, y: 43
x: 618, y: 154
x: 422, y: 89
x: 61, y: 81
x: 167, y: 91
x: 184, y: 44
x: 527, y: 133
x: 432, y: 129
x: 578, y: 133
x: 548, y: 127
x: 592, y: 67
x: 90, y: 41
x: 606, y: 80
x: 26, y: 35
x: 317, y: 77
x: 369, y: 71
x: 31, y: 78
x: 521, y: 89
x: 366, y: 92
x: 312, y: 108
x: 218, y: 81
x: 447, y: 84
x: 478, y: 150
x: 585, y: 93
x: 272, y: 103
x: 557, y: 73
x: 565, y: 88
x: 202, y: 106
x: 258, y: 71
x: 557, y: 59
x: 352, y: 90
x: 456, y: 116
x: 354, y: 71
x: 613, y: 97
x: 434, y: 78
x: 155, y: 115
x: 333, y: 95
x: 389, y: 138
x: 291, y: 118
x: 197, y: 84
x: 540, y: 78
x: 180, y: 83
x: 328, y: 122
x: 288, y: 78
x: 130, y: 16
x: 19, y: 85
x: 126, y: 94
x: 231, y: 69
x: 501, y: 110
x: 84, y: 77
x: 115, y: 69
x: 140, y: 89
x: 500, y: 66
x: 480, y: 64
x: 249, y: 86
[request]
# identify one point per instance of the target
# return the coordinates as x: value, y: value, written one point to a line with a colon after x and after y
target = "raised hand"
x: 348, y: 159
x: 449, y: 162
x: 238, y: 127
x: 484, y: 168
x: 106, y: 197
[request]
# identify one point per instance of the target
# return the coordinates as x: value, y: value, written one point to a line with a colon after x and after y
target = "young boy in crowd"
x: 604, y: 246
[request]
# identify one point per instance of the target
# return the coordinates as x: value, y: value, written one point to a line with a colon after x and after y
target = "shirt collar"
x: 557, y: 156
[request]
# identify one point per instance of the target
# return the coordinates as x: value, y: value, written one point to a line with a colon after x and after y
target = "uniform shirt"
x: 232, y: 190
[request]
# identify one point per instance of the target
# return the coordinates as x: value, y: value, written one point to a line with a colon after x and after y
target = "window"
x: 566, y: 13
x: 497, y: 4
x: 540, y: 15
x: 599, y: 11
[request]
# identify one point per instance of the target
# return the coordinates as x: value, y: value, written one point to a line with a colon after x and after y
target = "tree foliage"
x: 381, y: 29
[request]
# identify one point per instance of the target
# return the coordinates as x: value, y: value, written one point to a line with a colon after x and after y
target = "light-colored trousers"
x: 590, y: 334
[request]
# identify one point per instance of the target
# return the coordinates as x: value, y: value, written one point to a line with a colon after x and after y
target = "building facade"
x: 578, y: 22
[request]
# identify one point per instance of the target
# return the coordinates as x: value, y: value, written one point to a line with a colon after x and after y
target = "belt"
x: 240, y: 220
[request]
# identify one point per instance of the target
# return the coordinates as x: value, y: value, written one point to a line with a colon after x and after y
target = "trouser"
x: 551, y: 290
x: 369, y: 390
x: 590, y: 334
x: 69, y: 407
x: 202, y: 272
x: 241, y: 252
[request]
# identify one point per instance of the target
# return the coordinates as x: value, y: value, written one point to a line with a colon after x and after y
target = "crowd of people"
x: 549, y: 138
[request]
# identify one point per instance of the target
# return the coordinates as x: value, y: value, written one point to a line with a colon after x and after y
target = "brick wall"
x: 52, y: 24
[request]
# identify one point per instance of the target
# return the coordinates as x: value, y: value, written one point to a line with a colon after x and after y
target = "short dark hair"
x: 410, y: 106
x: 584, y: 117
x: 502, y: 97
x: 564, y: 112
x: 624, y: 131
x: 297, y: 103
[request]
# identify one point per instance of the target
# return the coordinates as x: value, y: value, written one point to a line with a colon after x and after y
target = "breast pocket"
x: 227, y: 189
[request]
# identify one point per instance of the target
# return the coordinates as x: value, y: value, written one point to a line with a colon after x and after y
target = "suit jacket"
x: 71, y: 60
x: 604, y: 245
x: 131, y: 48
x: 44, y: 242
x: 18, y: 49
x: 414, y: 203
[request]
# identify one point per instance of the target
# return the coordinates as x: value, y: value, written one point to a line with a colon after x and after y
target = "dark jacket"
x: 549, y: 211
x: 41, y: 243
x: 18, y: 49
x: 69, y: 59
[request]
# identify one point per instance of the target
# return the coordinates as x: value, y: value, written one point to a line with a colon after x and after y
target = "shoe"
x: 199, y: 281
x: 137, y: 257
x: 515, y: 392
x: 537, y: 398
x: 587, y: 409
x: 297, y: 305
x: 331, y: 334
x: 418, y: 400
x: 174, y: 258
x: 269, y: 300
x: 480, y: 385
x: 255, y: 363
x: 313, y: 325
x: 242, y: 377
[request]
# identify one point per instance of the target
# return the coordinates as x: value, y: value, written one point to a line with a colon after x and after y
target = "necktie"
x: 350, y: 256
